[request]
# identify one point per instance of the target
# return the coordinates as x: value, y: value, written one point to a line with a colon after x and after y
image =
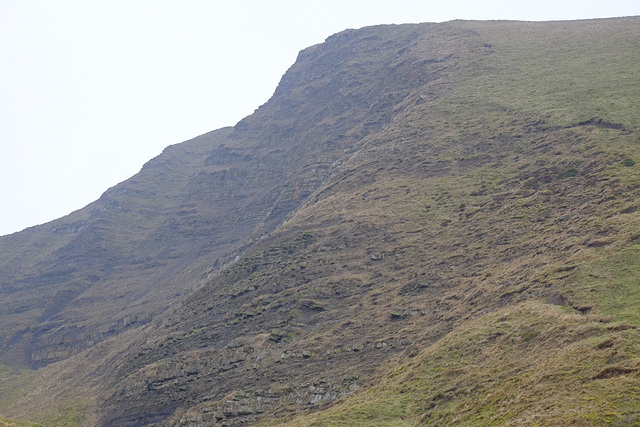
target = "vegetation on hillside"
x: 460, y: 247
x: 569, y: 353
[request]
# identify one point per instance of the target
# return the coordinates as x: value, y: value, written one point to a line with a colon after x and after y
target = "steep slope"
x: 64, y: 284
x: 459, y: 245
x: 194, y: 208
x: 548, y: 240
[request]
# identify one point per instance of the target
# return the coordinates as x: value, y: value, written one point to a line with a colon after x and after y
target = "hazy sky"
x: 91, y: 90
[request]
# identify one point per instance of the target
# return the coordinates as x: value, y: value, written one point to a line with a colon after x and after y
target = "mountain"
x: 426, y: 224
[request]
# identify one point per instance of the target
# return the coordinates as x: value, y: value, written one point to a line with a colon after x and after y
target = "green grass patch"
x: 69, y: 417
x: 533, y: 364
x: 628, y: 162
x: 562, y: 78
x: 5, y: 422
x: 611, y: 285
x: 13, y: 382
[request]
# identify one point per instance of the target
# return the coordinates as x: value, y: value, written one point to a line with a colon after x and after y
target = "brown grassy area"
x: 474, y: 262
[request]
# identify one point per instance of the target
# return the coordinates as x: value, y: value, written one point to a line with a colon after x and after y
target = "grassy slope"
x: 530, y: 364
x: 502, y: 202
x: 44, y: 270
x: 534, y: 362
x: 12, y: 382
x: 497, y: 192
x: 5, y: 422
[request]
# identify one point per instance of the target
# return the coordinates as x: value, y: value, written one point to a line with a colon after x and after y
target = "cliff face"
x: 412, y: 201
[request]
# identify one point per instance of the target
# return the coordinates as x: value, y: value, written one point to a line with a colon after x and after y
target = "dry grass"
x: 532, y: 364
x: 470, y: 264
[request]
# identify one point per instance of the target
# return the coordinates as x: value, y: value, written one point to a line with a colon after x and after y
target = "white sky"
x: 91, y: 90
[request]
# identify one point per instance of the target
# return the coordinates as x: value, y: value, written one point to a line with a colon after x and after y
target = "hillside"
x: 426, y: 224
x: 149, y: 239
